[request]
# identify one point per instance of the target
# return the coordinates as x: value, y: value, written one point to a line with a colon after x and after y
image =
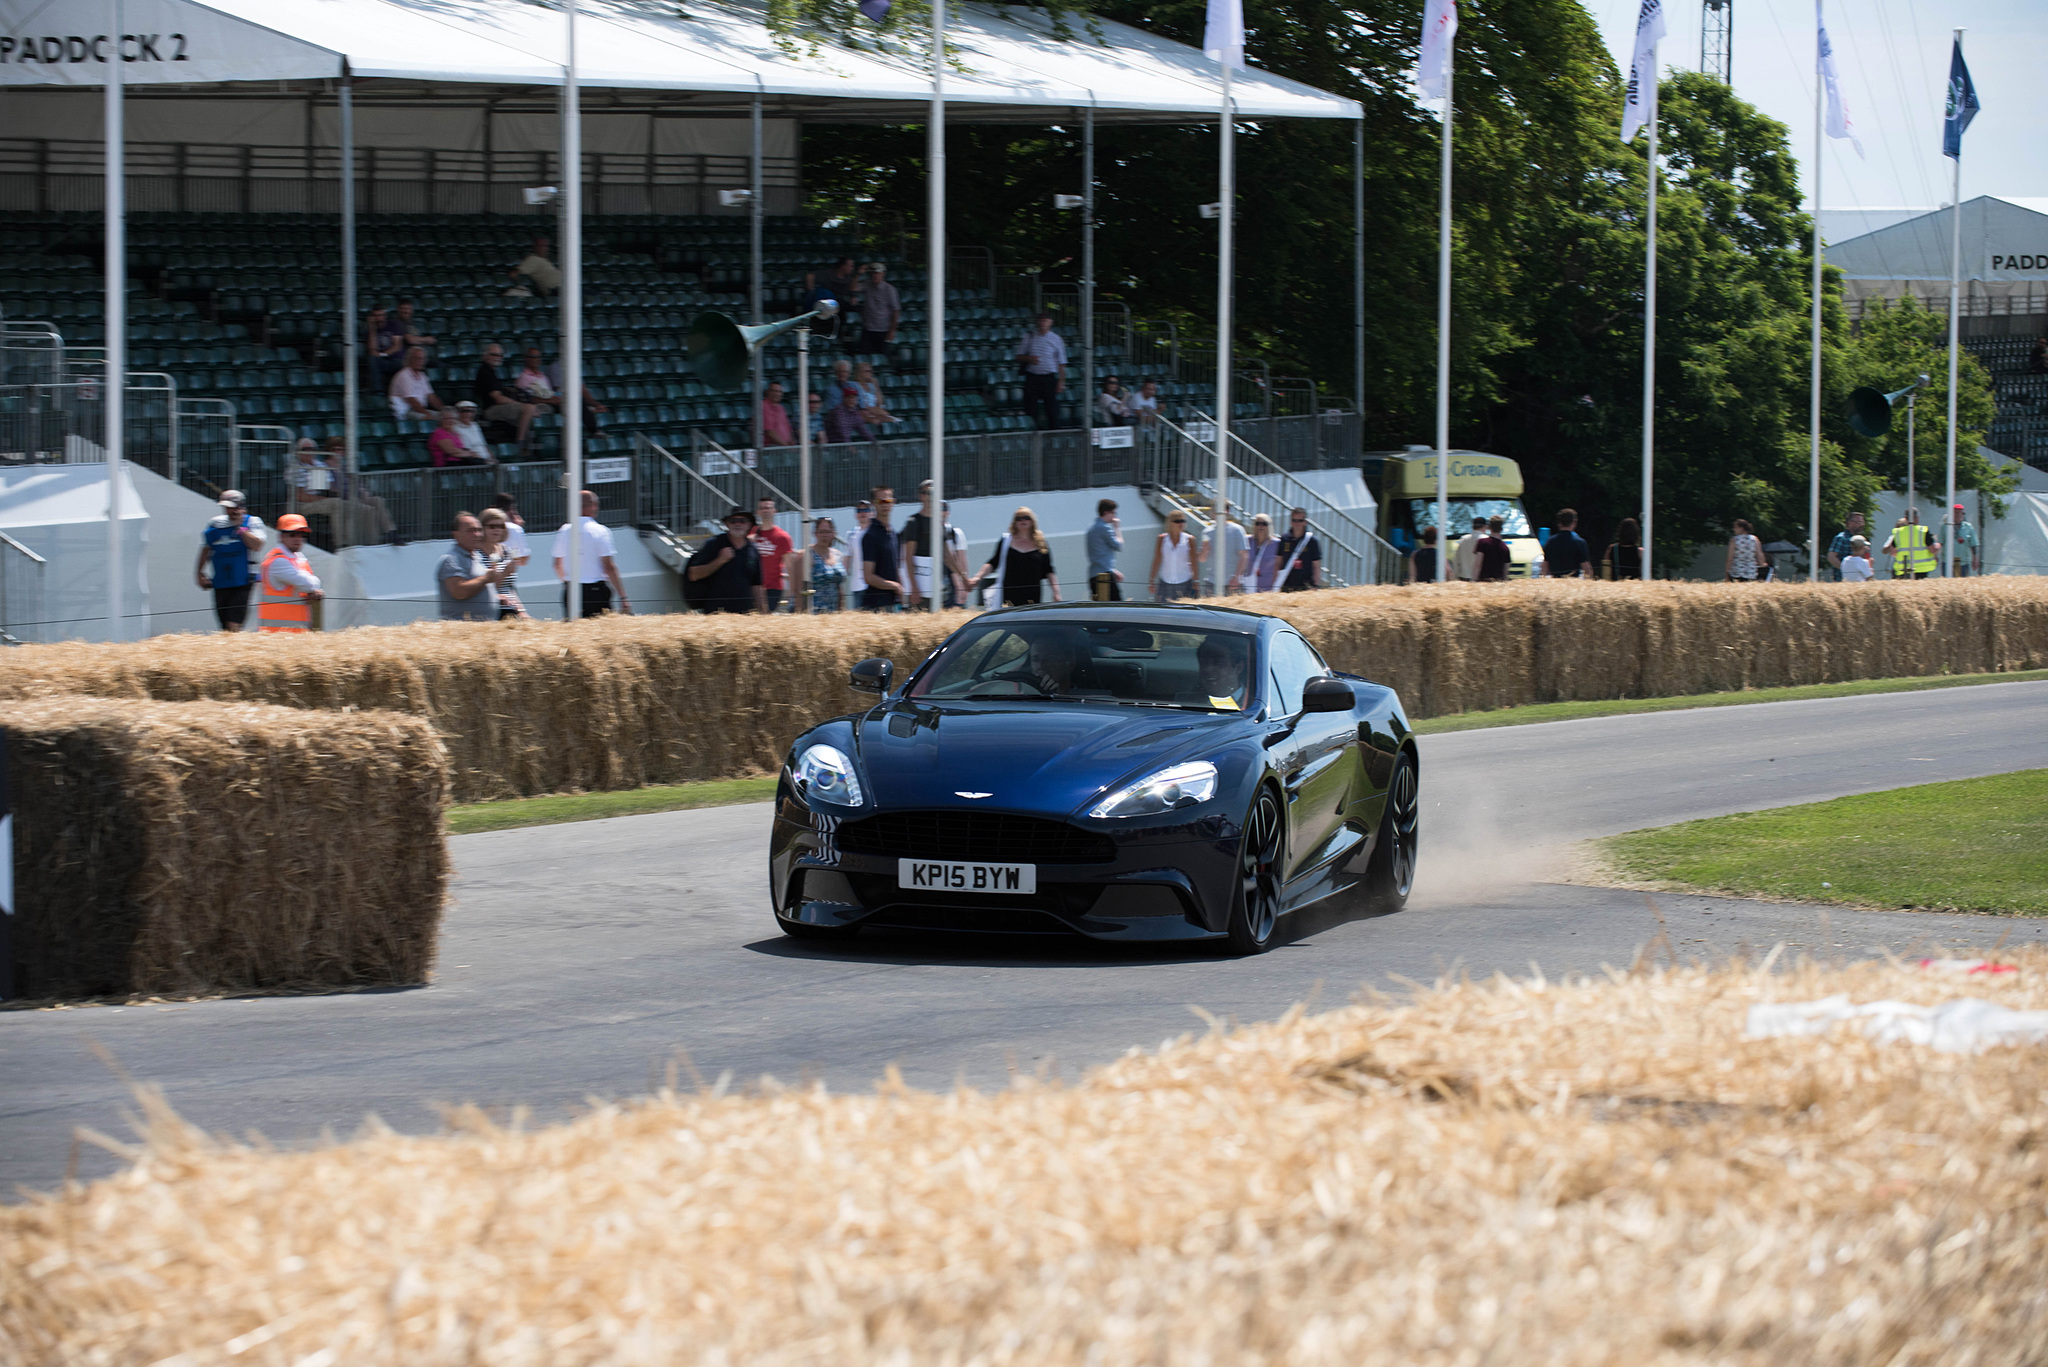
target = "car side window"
x: 1293, y: 664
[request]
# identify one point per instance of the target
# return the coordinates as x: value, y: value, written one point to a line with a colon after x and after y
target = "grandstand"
x: 2020, y: 429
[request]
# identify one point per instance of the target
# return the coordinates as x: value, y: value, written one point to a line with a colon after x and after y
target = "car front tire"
x: 1255, y: 904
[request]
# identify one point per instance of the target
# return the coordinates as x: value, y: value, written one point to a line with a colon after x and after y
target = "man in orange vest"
x: 288, y: 586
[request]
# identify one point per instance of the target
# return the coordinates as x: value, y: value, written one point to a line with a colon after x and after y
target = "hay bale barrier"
x: 193, y: 848
x: 1599, y: 1171
x: 537, y: 707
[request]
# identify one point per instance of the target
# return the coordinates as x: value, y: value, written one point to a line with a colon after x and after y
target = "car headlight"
x: 1183, y: 785
x: 824, y: 773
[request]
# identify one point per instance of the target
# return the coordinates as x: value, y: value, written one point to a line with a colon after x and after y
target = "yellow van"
x: 1480, y: 486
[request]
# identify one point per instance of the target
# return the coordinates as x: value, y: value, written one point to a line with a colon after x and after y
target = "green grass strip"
x: 1976, y: 844
x: 548, y: 811
x: 1621, y: 707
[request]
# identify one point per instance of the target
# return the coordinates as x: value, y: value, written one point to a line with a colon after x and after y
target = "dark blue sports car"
x: 1124, y: 771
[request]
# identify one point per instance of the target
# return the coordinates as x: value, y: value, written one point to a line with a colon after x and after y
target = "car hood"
x: 1036, y: 757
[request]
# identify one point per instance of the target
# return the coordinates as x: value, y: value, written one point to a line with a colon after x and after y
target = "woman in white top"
x: 1173, y: 561
x: 1746, y: 563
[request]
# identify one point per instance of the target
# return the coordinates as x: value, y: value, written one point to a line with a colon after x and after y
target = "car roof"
x: 1169, y: 615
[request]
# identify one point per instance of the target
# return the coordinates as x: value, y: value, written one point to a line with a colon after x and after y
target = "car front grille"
x: 985, y: 837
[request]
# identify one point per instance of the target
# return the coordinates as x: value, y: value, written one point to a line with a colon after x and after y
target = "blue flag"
x: 1962, y: 106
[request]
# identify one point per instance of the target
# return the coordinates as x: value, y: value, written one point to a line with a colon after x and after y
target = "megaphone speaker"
x: 718, y: 349
x: 1870, y: 412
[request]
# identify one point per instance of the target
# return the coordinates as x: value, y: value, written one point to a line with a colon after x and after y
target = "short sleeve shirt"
x: 771, y: 544
x: 230, y: 554
x: 879, y: 544
x: 1043, y: 352
x: 1304, y: 564
x: 595, y: 544
x: 1564, y: 554
x: 733, y: 583
x: 481, y: 606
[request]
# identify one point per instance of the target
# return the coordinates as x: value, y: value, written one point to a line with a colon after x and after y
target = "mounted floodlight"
x: 538, y: 195
x: 1870, y: 410
x: 719, y: 349
x: 1067, y: 201
x: 1213, y: 210
x: 734, y: 198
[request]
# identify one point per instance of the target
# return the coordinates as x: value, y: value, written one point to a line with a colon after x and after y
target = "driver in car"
x: 1054, y: 660
x: 1225, y: 679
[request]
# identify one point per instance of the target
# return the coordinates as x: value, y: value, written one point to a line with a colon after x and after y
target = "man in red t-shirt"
x: 1492, y: 553
x: 773, y: 544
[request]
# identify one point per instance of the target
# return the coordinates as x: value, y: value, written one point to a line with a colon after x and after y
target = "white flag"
x: 1635, y: 111
x: 1223, y: 39
x: 1439, y: 27
x: 1838, y: 123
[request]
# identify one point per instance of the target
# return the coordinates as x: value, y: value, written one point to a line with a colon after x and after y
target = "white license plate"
x: 942, y: 875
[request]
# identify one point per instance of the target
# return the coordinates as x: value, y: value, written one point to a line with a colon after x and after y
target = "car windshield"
x: 1514, y: 522
x: 1105, y: 662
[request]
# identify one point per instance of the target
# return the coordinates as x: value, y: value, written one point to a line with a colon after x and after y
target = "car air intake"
x: 986, y: 837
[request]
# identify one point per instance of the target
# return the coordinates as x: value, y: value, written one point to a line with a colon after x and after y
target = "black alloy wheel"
x: 1391, y: 874
x: 1255, y: 910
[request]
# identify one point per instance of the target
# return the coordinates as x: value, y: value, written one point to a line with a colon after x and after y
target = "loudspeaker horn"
x: 718, y: 349
x: 1870, y: 410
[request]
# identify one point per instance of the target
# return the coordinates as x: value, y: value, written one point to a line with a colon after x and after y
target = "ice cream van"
x: 1480, y: 486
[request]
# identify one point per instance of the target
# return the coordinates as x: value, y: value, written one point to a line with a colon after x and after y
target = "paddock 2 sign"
x: 163, y: 42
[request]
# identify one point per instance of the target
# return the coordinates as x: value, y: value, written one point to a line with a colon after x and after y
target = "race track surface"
x: 585, y: 960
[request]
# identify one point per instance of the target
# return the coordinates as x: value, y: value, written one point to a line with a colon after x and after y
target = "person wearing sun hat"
x: 287, y: 586
x: 228, y: 542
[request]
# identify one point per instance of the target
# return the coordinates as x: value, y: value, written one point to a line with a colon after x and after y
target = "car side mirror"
x: 872, y: 676
x: 1328, y: 695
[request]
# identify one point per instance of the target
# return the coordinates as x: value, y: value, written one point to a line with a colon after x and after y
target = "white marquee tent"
x: 2005, y: 256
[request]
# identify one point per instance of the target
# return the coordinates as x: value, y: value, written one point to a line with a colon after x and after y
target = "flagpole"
x: 1650, y: 323
x: 935, y: 311
x: 1813, y: 373
x: 572, y: 317
x: 1443, y: 338
x: 114, y: 389
x: 1227, y: 214
x: 1955, y: 286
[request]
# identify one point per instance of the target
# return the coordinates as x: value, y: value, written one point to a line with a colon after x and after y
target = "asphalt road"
x: 592, y: 959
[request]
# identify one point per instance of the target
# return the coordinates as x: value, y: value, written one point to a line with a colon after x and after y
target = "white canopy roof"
x: 719, y: 57
x: 2004, y: 239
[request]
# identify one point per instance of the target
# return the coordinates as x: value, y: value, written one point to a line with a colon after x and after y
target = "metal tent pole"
x: 351, y: 396
x: 114, y: 387
x: 1226, y: 215
x: 754, y: 265
x: 1443, y: 339
x: 1358, y: 266
x: 572, y: 317
x: 935, y: 269
x: 1088, y: 379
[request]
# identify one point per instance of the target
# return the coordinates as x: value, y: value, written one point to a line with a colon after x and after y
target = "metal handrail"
x: 684, y: 466
x: 4, y: 537
x: 1331, y: 508
x: 782, y: 498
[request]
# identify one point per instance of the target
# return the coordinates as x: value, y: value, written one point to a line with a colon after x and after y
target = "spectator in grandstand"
x: 1422, y: 564
x: 534, y: 383
x: 1624, y: 558
x: 412, y: 394
x: 1492, y: 553
x: 1022, y: 563
x: 540, y: 274
x: 844, y: 422
x: 775, y: 428
x: 411, y: 326
x: 1565, y: 555
x: 446, y: 447
x: 228, y: 541
x: 880, y: 556
x: 1746, y: 562
x: 349, y: 487
x: 1042, y: 357
x: 774, y: 546
x: 870, y: 393
x: 728, y: 569
x: 597, y: 563
x: 1465, y: 555
x: 1968, y: 553
x: 465, y: 579
x: 827, y: 566
x: 1143, y: 406
x: 499, y: 550
x: 2037, y: 359
x: 1259, y: 566
x: 1300, y: 554
x: 317, y: 492
x: 497, y: 399
x: 1105, y: 541
x: 1173, y: 561
x: 814, y: 414
x: 386, y: 342
x: 592, y: 409
x: 472, y: 432
x: 1852, y: 527
x: 881, y: 310
x: 1231, y: 547
x: 1112, y: 405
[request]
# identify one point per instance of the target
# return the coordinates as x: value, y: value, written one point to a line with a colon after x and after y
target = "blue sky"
x: 1893, y: 59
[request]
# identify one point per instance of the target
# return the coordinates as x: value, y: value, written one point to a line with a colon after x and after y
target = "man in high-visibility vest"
x: 1915, y: 553
x: 288, y: 587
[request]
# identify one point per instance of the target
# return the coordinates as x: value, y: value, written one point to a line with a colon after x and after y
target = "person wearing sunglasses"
x: 1021, y: 564
x: 1173, y: 561
x: 881, y: 558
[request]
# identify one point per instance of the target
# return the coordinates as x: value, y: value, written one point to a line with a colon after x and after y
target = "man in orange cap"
x: 288, y: 586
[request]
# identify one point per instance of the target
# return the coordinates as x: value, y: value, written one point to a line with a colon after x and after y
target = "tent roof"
x: 2003, y: 239
x: 1012, y: 68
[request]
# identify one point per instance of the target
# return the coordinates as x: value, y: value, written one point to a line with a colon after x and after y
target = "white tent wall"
x: 2005, y: 259
x: 60, y: 513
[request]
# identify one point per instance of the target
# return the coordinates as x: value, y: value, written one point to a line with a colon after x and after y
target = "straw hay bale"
x: 552, y: 707
x: 204, y: 847
x: 1590, y: 1172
